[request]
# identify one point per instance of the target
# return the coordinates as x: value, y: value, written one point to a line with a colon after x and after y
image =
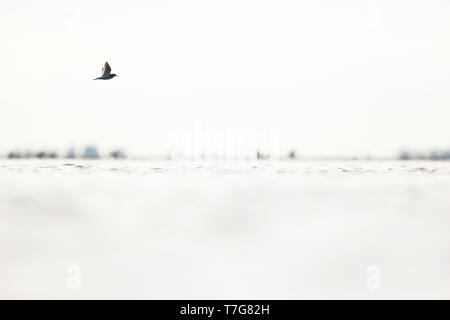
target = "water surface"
x: 257, y: 230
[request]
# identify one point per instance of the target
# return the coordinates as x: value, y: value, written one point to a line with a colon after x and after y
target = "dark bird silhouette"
x: 106, y: 73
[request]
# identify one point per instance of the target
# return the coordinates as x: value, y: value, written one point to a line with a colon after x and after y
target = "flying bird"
x: 106, y: 73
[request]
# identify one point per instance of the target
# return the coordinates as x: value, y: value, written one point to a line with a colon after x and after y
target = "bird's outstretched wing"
x: 106, y: 69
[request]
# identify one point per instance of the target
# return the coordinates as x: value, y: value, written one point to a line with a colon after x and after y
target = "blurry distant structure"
x: 71, y: 154
x: 404, y: 155
x: 27, y: 154
x: 117, y: 154
x: 292, y: 155
x: 433, y: 155
x: 91, y: 152
x: 14, y: 155
x: 261, y: 156
x: 46, y: 155
x: 440, y: 155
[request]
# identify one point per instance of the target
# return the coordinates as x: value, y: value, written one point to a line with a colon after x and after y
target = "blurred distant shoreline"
x: 92, y: 153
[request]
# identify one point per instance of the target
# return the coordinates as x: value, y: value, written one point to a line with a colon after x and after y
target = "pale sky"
x: 330, y: 77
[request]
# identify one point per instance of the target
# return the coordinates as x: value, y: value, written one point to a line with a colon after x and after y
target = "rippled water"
x: 288, y: 229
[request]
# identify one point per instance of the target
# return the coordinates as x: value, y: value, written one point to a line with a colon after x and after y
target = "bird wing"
x: 106, y: 69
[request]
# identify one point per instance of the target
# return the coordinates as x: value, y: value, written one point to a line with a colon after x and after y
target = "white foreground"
x: 260, y: 230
